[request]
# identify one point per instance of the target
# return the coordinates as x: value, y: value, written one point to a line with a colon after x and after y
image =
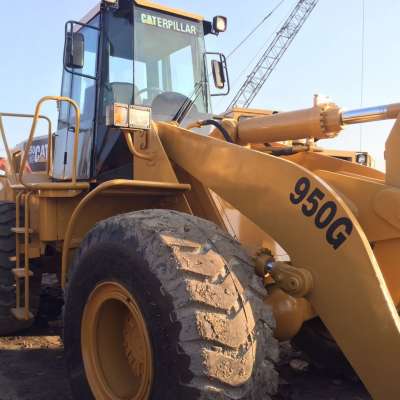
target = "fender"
x: 123, y: 187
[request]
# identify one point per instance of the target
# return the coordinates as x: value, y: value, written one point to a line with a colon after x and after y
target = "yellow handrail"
x: 32, y: 133
x: 36, y: 116
x: 7, y: 148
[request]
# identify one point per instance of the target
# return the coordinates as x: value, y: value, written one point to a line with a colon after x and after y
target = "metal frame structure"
x: 24, y: 190
x: 337, y: 221
x: 362, y: 201
x: 272, y: 55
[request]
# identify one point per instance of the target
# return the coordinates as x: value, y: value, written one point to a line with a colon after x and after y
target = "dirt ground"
x: 32, y: 367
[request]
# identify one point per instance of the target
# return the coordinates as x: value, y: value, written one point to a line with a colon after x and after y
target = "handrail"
x: 132, y: 148
x: 32, y: 133
x: 5, y: 142
x: 36, y: 116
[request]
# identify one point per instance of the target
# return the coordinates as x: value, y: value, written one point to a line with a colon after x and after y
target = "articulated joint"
x: 262, y: 259
x: 297, y: 282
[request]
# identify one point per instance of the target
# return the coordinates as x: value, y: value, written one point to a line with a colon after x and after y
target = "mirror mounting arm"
x: 219, y: 66
x: 68, y: 58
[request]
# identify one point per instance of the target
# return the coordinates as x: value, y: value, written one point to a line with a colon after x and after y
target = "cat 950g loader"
x: 188, y: 244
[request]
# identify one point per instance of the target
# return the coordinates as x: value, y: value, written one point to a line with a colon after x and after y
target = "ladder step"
x: 19, y: 314
x: 20, y: 272
x: 21, y: 230
x: 34, y: 252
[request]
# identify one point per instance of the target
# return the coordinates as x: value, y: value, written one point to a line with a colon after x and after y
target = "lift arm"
x: 350, y: 294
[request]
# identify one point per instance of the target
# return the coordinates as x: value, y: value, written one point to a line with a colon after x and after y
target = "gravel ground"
x: 300, y: 380
x: 32, y: 367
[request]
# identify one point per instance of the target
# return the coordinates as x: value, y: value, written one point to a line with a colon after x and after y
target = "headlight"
x: 220, y: 24
x: 362, y: 158
x: 139, y: 117
x: 124, y: 116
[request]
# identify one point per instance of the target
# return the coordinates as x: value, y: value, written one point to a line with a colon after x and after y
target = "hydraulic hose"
x: 219, y: 126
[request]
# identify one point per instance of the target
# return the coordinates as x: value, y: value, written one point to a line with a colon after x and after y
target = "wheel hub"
x: 134, y: 349
x: 116, y: 348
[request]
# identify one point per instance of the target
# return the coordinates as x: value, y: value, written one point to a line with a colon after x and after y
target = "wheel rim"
x: 116, y: 348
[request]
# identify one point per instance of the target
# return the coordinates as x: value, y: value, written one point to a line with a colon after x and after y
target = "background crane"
x: 273, y: 54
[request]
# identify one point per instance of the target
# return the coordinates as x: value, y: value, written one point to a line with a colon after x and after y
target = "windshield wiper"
x: 188, y: 103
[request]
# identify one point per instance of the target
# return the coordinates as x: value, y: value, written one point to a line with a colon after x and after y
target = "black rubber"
x: 8, y: 324
x: 203, y: 305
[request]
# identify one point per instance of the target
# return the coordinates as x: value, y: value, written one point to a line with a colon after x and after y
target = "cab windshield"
x: 157, y: 61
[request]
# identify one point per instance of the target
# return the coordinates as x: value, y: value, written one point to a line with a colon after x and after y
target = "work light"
x: 362, y: 158
x: 118, y: 115
x: 128, y: 116
x: 139, y: 117
x: 112, y: 3
x: 220, y: 24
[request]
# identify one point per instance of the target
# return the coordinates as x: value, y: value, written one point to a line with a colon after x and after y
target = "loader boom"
x: 349, y: 288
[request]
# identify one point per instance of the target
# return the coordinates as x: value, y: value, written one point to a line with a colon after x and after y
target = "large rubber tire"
x: 8, y: 324
x: 210, y: 331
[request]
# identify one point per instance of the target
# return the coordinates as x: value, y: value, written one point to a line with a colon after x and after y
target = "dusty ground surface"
x: 32, y: 368
x: 300, y: 380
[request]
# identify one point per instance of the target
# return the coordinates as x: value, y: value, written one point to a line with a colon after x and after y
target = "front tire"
x: 201, y: 306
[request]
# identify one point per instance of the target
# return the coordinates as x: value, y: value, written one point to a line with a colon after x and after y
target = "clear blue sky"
x: 324, y: 58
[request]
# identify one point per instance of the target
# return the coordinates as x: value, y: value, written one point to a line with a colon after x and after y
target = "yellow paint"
x: 176, y: 11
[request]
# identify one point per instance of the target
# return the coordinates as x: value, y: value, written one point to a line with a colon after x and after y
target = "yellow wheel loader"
x: 188, y: 244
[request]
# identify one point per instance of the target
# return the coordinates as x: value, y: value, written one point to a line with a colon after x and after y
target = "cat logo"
x: 170, y: 24
x: 38, y: 153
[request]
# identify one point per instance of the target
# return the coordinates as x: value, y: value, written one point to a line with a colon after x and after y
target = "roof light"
x: 111, y: 3
x: 220, y: 24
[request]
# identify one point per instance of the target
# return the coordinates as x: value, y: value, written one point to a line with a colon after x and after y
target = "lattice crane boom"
x: 273, y: 54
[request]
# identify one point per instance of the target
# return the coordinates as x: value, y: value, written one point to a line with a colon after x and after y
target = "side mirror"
x: 74, y: 50
x: 218, y: 74
x: 219, y: 71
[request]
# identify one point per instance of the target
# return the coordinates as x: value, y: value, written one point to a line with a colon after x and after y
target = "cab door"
x: 79, y: 84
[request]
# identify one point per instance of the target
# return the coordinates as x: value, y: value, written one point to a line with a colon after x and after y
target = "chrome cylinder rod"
x: 370, y: 114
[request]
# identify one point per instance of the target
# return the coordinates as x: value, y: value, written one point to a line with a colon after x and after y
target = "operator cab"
x: 130, y: 54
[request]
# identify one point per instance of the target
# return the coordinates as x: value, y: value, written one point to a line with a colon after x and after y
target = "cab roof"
x: 176, y: 11
x: 148, y: 4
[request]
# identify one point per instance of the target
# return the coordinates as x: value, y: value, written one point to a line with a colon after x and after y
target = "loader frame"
x: 335, y: 224
x: 339, y: 210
